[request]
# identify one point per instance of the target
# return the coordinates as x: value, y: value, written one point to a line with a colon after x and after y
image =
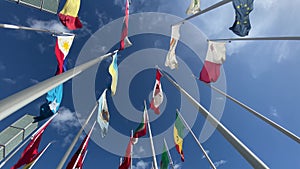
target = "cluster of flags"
x: 216, y: 53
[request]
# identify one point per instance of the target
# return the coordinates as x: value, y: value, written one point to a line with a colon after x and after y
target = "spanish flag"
x: 178, y: 136
x: 69, y: 15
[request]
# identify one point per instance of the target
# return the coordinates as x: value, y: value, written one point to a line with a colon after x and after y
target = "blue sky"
x: 262, y: 74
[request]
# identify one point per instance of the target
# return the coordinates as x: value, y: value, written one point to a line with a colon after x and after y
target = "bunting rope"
x: 257, y: 114
x: 64, y: 159
x: 258, y: 38
x: 221, y: 3
x: 230, y: 137
x: 16, y: 101
x: 197, y: 141
x: 9, y: 26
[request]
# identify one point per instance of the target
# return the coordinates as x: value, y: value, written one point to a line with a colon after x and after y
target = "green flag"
x: 164, y: 163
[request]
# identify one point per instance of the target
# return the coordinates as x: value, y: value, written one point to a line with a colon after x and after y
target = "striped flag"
x: 158, y: 95
x: 103, y: 114
x: 171, y: 60
x: 69, y: 15
x: 113, y: 70
x: 215, y: 57
x: 194, y: 7
x: 125, y: 42
x: 142, y: 128
x: 62, y: 47
x: 178, y: 136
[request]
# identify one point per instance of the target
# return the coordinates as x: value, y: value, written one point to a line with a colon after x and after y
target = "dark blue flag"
x: 242, y: 24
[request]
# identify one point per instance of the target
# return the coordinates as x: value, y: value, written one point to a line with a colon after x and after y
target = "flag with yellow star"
x: 242, y: 25
x: 62, y: 48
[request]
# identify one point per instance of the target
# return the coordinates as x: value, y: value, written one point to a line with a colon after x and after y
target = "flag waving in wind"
x: 78, y: 157
x: 125, y: 42
x: 194, y: 7
x: 165, y: 161
x: 242, y: 24
x: 103, y: 114
x: 178, y: 136
x: 158, y: 96
x: 69, y: 15
x: 113, y: 70
x: 171, y: 60
x: 62, y: 47
x: 215, y: 57
x: 30, y: 154
x: 127, y: 159
x: 54, y: 98
x: 142, y: 128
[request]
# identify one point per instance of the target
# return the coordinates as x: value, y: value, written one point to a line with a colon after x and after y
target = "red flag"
x: 158, y: 96
x: 78, y: 157
x: 127, y: 159
x: 215, y: 57
x: 124, y: 36
x: 31, y: 151
x: 69, y: 15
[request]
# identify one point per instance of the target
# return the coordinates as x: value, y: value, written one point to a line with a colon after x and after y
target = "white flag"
x: 171, y: 60
x: 194, y: 7
x: 103, y: 114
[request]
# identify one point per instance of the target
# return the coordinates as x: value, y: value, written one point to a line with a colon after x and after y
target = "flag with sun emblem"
x: 103, y: 114
x: 62, y: 48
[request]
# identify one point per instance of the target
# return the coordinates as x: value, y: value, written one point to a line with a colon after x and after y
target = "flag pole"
x: 29, y: 138
x: 265, y: 119
x: 197, y: 141
x: 18, y: 100
x: 169, y: 155
x: 221, y: 3
x: 258, y: 38
x: 10, y: 26
x: 63, y: 160
x: 151, y: 141
x: 230, y: 137
x: 40, y: 155
x: 131, y: 151
x: 84, y: 144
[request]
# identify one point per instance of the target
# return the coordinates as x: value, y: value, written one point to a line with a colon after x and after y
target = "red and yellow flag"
x: 178, y: 136
x: 69, y: 15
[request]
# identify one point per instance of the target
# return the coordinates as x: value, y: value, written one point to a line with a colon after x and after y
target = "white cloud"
x: 177, y: 166
x: 65, y: 121
x: 33, y: 81
x: 41, y: 47
x: 67, y: 139
x: 140, y: 165
x: 219, y: 163
x: 53, y: 25
x: 9, y: 81
x: 273, y: 111
x: 102, y: 18
x: 207, y: 152
x: 2, y: 66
